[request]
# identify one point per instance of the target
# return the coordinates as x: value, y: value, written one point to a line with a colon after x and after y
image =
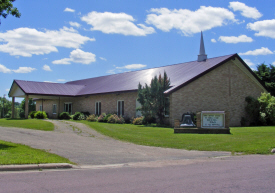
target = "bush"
x: 138, y: 121
x: 92, y: 118
x: 40, y: 115
x: 31, y: 114
x: 86, y: 114
x: 115, y: 119
x: 101, y: 117
x: 64, y: 115
x: 127, y: 120
x: 105, y: 119
x: 76, y: 116
x: 82, y: 117
x: 148, y: 120
x: 21, y: 113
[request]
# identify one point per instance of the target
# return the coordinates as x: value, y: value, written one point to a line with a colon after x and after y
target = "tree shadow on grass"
x: 17, y: 119
x: 4, y: 146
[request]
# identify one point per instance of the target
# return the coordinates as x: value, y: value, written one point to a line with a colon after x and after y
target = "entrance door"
x: 68, y: 108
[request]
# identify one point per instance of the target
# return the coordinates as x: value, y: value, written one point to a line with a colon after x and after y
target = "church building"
x: 206, y: 84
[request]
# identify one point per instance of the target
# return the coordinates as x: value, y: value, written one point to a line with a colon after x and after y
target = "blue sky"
x: 64, y: 40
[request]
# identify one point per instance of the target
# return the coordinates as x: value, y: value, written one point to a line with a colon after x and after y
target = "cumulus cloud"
x: 261, y: 51
x: 189, y: 22
x: 132, y: 66
x: 265, y: 28
x: 24, y: 70
x: 273, y: 63
x: 116, y: 23
x: 46, y: 68
x: 7, y: 89
x: 69, y: 10
x: 246, y: 11
x: 74, y: 24
x: 27, y: 41
x: 213, y: 40
x: 60, y: 80
x: 4, y: 69
x: 77, y: 56
x: 111, y: 71
x: 101, y: 58
x: 234, y: 39
x: 248, y: 62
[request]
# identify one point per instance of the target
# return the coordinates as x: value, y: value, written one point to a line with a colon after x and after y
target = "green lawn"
x: 248, y: 140
x: 11, y: 153
x: 28, y: 124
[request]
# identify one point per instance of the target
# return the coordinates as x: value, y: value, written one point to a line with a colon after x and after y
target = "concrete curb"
x: 35, y: 167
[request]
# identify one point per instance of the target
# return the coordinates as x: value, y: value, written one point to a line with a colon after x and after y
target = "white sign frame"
x: 217, y: 123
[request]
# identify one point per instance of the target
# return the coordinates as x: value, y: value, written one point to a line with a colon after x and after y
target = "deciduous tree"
x: 6, y: 8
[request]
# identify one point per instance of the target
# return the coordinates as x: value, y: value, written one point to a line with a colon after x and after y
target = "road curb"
x: 35, y: 167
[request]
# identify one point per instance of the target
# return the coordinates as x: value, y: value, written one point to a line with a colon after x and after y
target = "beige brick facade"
x: 216, y: 91
x: 87, y: 103
x: 222, y: 89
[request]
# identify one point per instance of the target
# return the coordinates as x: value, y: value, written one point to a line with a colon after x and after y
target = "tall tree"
x: 267, y: 75
x: 32, y: 107
x: 6, y: 8
x: 152, y: 99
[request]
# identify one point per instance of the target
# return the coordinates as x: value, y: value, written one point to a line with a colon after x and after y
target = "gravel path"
x: 85, y: 146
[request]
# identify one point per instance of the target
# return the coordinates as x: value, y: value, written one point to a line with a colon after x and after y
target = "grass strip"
x: 11, y: 153
x: 246, y: 140
x: 27, y: 124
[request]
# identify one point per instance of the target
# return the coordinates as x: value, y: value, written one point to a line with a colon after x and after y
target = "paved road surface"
x: 249, y: 174
x: 84, y: 146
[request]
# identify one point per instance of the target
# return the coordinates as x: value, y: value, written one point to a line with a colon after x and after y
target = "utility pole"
x: 4, y: 105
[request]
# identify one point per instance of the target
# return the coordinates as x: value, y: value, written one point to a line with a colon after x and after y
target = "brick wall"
x: 87, y: 103
x: 213, y: 92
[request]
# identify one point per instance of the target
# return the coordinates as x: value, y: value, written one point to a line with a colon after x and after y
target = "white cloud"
x: 246, y: 11
x: 261, y: 51
x: 273, y: 63
x: 103, y: 58
x: 69, y: 10
x: 77, y: 56
x: 27, y: 41
x: 265, y: 28
x: 248, y: 62
x: 48, y: 81
x: 60, y: 80
x: 234, y: 39
x: 213, y: 40
x: 132, y: 66
x: 7, y: 89
x: 111, y: 71
x: 74, y: 24
x: 116, y: 23
x: 24, y: 70
x: 46, y: 68
x: 4, y: 69
x: 189, y: 22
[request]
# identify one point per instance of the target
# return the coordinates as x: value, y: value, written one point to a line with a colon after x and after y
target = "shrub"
x: 92, y: 118
x: 127, y: 120
x: 64, y: 115
x: 138, y: 121
x: 40, y: 115
x: 32, y: 114
x: 105, y: 119
x: 101, y: 117
x: 76, y: 116
x: 86, y: 114
x: 148, y: 120
x: 115, y: 119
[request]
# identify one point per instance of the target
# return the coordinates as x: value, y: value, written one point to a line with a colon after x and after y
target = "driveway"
x: 85, y: 146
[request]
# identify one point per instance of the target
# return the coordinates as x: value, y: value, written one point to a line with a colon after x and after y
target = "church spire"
x: 202, y: 56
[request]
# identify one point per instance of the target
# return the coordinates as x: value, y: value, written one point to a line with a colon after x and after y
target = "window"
x: 54, y: 108
x: 40, y: 108
x: 167, y: 106
x: 68, y: 107
x: 98, y: 108
x: 120, y: 108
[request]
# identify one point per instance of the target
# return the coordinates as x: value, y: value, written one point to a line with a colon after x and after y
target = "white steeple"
x: 202, y: 56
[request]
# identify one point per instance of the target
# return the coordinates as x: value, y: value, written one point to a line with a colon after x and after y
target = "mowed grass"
x: 11, y: 153
x: 246, y: 140
x: 28, y: 124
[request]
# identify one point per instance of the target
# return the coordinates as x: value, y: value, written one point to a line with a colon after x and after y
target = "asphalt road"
x: 251, y: 174
x: 84, y: 146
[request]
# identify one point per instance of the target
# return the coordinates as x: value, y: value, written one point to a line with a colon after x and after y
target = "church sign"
x: 213, y: 119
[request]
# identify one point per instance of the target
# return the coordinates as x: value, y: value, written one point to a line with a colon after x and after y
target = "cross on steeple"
x: 202, y: 56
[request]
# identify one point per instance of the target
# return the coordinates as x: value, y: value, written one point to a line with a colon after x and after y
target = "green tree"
x: 7, y: 107
x: 152, y: 99
x: 32, y: 107
x: 267, y: 75
x: 6, y: 8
